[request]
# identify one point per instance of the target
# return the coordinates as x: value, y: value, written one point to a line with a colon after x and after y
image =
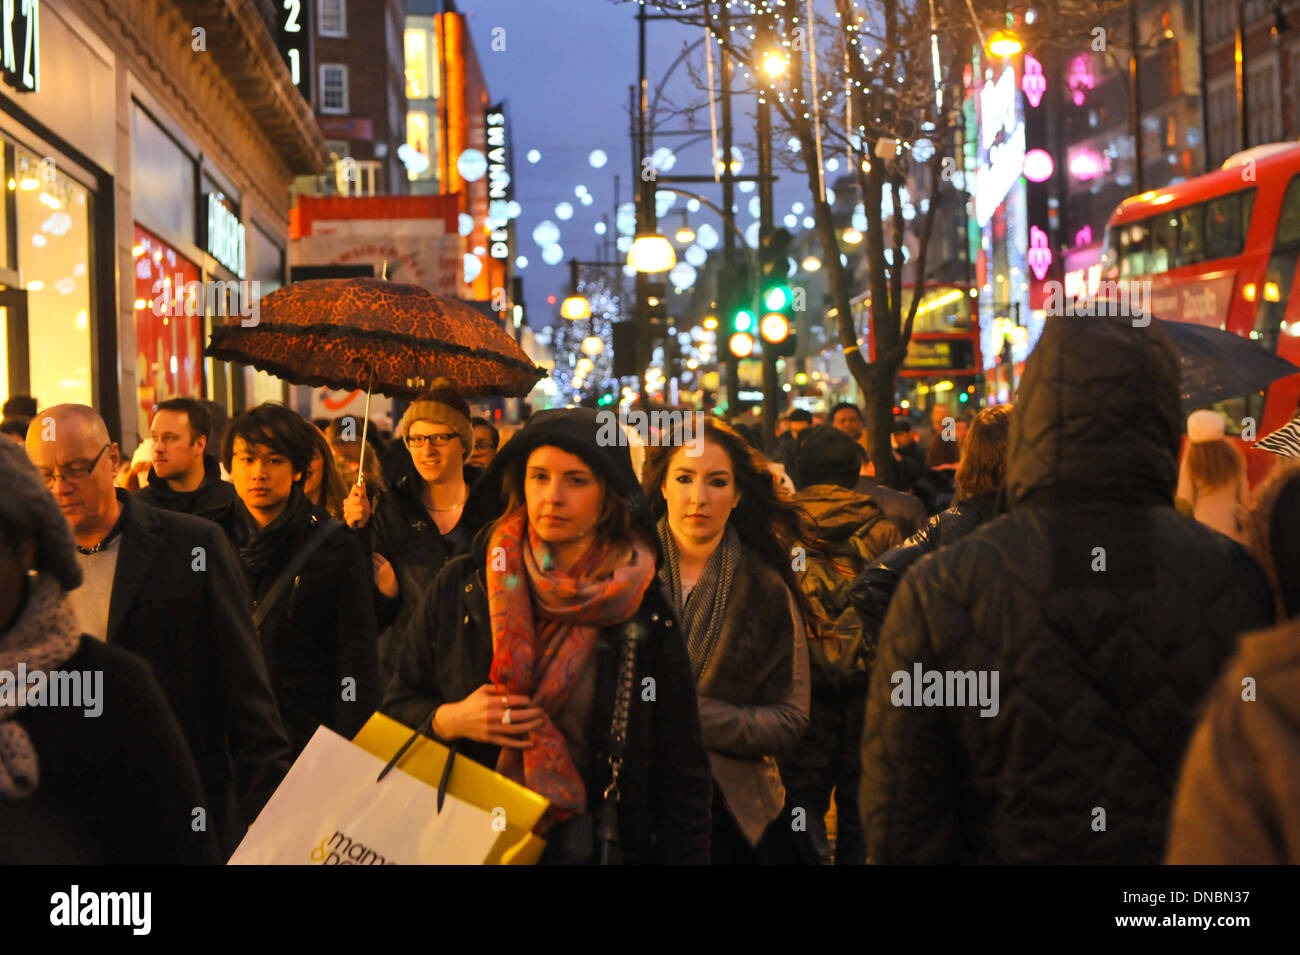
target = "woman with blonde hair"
x: 1212, y: 485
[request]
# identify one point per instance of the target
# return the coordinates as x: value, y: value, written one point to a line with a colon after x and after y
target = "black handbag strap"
x: 622, y: 706
x: 263, y: 607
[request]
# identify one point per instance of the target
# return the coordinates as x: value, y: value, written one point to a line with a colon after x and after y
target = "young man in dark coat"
x: 318, y: 636
x: 168, y: 587
x: 1037, y: 681
x: 184, y: 477
x: 855, y: 532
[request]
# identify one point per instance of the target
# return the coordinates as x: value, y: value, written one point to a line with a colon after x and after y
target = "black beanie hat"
x: 591, y: 435
x: 828, y: 456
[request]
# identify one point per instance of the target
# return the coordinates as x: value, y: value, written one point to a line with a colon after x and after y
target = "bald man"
x: 168, y: 587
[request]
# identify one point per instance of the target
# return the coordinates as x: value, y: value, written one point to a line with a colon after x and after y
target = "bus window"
x: 1226, y: 221
x: 1135, y: 249
x: 1235, y: 410
x: 1288, y: 219
x: 1191, y: 234
x: 1164, y: 243
x: 1110, y: 258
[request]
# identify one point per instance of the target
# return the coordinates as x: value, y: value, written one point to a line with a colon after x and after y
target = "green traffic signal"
x: 744, y: 321
x: 776, y: 298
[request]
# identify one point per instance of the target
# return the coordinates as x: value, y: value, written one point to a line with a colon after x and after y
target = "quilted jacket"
x: 1104, y: 613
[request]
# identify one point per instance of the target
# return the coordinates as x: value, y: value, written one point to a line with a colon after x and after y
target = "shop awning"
x: 241, y: 42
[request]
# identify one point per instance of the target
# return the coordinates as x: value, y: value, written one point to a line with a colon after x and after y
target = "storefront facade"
x: 151, y: 156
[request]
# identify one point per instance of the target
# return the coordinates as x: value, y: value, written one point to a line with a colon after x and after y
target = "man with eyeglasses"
x: 168, y: 587
x: 424, y: 519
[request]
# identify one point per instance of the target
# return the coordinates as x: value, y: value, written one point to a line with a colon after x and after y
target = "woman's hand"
x: 479, y: 717
x: 385, y: 577
x: 356, y: 507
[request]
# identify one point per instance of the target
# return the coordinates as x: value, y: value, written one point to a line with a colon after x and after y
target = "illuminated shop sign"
x: 294, y: 41
x: 499, y: 188
x: 1039, y: 255
x: 1002, y: 145
x: 1033, y: 84
x: 1080, y: 78
x: 225, y: 239
x: 22, y: 44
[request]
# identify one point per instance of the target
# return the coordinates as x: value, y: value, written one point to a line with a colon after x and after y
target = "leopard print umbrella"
x: 336, y: 332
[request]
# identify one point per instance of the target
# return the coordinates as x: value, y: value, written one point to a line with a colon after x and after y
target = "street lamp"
x: 1005, y: 43
x: 774, y: 63
x: 651, y: 252
x: 592, y: 345
x: 575, y: 308
x: 685, y: 235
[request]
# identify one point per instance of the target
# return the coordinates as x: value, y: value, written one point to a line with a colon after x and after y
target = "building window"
x: 1224, y: 128
x: 333, y: 88
x: 416, y: 44
x: 333, y: 18
x: 1263, y: 101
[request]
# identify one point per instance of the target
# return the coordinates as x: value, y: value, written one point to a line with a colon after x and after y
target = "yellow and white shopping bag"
x: 329, y: 810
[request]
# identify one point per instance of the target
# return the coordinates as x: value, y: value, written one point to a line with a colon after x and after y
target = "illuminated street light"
x: 774, y: 63
x: 575, y: 308
x: 651, y: 253
x: 593, y: 345
x: 852, y: 236
x: 811, y: 264
x: 1005, y: 43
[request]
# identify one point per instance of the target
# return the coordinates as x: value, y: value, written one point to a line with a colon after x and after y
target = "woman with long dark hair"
x: 548, y: 653
x: 322, y: 484
x: 731, y: 545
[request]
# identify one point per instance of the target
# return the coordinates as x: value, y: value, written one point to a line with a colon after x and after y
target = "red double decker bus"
x: 1222, y: 250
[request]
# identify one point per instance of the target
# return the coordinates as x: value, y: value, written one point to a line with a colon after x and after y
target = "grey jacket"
x: 744, y: 741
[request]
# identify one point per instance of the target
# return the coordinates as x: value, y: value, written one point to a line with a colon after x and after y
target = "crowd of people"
x: 728, y: 651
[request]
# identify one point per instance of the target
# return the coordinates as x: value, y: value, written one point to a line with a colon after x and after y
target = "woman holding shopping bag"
x: 549, y: 654
x: 731, y: 546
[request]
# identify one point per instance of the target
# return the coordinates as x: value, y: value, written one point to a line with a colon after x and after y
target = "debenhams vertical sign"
x: 20, y: 24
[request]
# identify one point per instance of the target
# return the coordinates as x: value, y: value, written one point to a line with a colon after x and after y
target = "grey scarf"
x: 705, y: 609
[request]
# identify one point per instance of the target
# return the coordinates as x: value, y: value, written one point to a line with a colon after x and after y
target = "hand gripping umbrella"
x: 362, y: 333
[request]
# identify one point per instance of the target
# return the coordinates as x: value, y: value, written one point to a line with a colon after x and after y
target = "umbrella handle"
x: 365, y: 427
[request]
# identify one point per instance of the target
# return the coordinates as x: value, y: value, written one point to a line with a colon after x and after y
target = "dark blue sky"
x: 565, y: 74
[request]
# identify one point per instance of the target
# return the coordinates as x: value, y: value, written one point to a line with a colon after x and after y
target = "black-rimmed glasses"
x: 73, y: 470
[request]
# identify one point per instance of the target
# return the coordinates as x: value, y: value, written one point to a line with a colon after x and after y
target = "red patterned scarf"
x: 544, y: 629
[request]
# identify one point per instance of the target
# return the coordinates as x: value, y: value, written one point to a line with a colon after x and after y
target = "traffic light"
x: 742, y: 323
x: 775, y: 297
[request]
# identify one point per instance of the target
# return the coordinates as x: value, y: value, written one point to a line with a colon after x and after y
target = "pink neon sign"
x: 1087, y: 164
x: 1039, y: 255
x: 1033, y: 83
x: 1039, y: 165
x: 1080, y: 78
x: 1083, y: 236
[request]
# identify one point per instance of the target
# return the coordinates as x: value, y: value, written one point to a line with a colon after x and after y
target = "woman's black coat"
x: 664, y: 811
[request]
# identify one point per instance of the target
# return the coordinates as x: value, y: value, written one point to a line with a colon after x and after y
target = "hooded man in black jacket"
x: 318, y: 633
x: 1037, y: 681
x: 184, y: 477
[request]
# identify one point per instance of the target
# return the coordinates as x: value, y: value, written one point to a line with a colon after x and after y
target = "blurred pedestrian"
x: 940, y: 424
x: 19, y: 406
x: 185, y: 477
x: 486, y: 442
x: 978, y: 480
x: 909, y: 459
x: 104, y: 778
x: 522, y: 649
x: 727, y: 539
x: 936, y: 486
x: 167, y: 587
x: 1212, y: 484
x: 15, y: 429
x: 905, y: 511
x: 323, y: 487
x: 345, y: 434
x: 309, y: 579
x: 1272, y: 532
x: 423, y: 520
x: 847, y: 417
x: 1236, y: 802
x: 1089, y: 599
x: 855, y: 532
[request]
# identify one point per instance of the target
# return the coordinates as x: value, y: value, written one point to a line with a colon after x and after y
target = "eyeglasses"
x: 73, y: 470
x: 417, y: 441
